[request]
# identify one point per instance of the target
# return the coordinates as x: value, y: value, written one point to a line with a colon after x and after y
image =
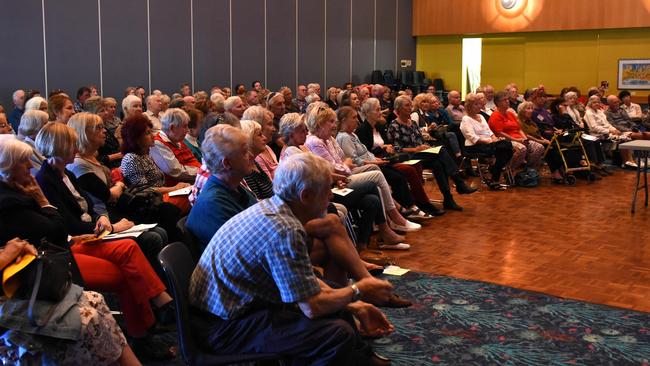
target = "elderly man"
x: 19, y: 108
x: 289, y: 105
x: 619, y: 118
x: 488, y: 91
x: 259, y: 293
x: 252, y: 97
x: 455, y: 110
x: 299, y: 101
x: 235, y: 106
x: 170, y: 153
x: 154, y: 106
x: 313, y: 88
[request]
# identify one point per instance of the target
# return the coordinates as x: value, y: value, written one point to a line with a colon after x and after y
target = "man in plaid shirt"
x: 257, y: 291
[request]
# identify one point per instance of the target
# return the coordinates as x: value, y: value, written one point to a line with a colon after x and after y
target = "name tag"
x: 540, y: 117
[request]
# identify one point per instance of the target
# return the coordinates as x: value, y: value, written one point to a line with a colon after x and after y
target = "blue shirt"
x: 216, y: 204
x: 258, y: 255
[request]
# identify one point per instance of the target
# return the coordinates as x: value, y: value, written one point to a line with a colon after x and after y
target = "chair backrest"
x: 407, y: 77
x: 190, y: 240
x: 377, y: 77
x: 439, y: 84
x: 418, y: 77
x: 178, y: 265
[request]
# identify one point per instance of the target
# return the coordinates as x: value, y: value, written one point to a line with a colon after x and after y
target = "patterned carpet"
x: 458, y: 322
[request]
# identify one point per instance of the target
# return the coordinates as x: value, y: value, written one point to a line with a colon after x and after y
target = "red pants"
x: 413, y: 174
x: 119, y: 266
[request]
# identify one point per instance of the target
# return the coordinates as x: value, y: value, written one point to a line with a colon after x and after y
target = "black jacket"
x: 364, y: 132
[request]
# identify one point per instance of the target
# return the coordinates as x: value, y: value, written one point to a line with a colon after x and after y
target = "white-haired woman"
x: 36, y: 103
x: 257, y: 180
x: 131, y: 105
x: 266, y: 159
x: 30, y: 123
x: 321, y: 123
x: 235, y: 105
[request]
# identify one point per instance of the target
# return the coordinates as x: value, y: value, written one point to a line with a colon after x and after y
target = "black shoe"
x: 465, y: 189
x: 432, y: 210
x: 452, y: 206
x: 153, y: 349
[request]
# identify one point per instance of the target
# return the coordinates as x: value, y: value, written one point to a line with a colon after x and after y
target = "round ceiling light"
x: 508, y: 4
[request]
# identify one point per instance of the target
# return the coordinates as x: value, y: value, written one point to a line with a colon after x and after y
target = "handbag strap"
x: 32, y: 300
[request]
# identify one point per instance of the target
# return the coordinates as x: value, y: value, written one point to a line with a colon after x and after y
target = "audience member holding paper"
x: 364, y: 197
x: 407, y: 138
x: 399, y: 176
x: 113, y: 266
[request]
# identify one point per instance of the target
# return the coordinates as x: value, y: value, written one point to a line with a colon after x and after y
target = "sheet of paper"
x: 411, y: 162
x: 395, y: 270
x: 181, y: 192
x: 342, y: 192
x: 138, y: 228
x: 433, y: 150
x: 123, y: 235
x: 589, y: 137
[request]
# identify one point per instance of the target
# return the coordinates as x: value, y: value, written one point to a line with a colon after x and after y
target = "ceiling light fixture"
x: 508, y: 4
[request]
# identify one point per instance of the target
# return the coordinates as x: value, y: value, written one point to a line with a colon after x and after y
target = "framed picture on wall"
x: 634, y: 74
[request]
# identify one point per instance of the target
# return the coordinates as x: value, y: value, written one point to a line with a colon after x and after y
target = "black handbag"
x: 140, y: 204
x: 47, y: 278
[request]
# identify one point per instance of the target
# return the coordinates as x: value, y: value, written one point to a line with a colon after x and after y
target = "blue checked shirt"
x: 259, y: 254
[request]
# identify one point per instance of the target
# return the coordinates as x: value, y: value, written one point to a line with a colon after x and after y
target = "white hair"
x: 217, y: 98
x: 220, y: 142
x: 288, y: 123
x: 230, y: 102
x: 313, y: 97
x: 173, y: 117
x: 12, y: 152
x: 34, y: 103
x: 257, y: 113
x: 128, y: 101
x: 299, y: 172
x: 31, y: 122
x: 250, y: 128
x: 370, y: 103
x: 399, y: 101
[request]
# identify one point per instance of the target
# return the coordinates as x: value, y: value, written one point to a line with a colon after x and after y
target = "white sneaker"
x: 630, y: 164
x: 398, y: 246
x: 408, y: 227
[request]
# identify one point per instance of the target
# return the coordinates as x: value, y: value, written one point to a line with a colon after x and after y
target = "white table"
x: 641, y: 148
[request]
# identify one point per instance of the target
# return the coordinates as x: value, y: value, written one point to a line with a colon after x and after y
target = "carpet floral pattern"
x: 458, y: 322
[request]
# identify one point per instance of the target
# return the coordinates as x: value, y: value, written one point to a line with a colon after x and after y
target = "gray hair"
x: 148, y: 99
x: 217, y: 99
x: 230, y: 102
x: 571, y: 95
x: 369, y: 104
x: 12, y: 152
x: 299, y: 172
x: 173, y: 117
x: 311, y: 98
x: 34, y: 103
x: 288, y: 123
x: 257, y: 113
x: 31, y: 122
x: 221, y: 142
x: 592, y: 99
x: 250, y: 128
x: 399, y: 101
x: 128, y: 101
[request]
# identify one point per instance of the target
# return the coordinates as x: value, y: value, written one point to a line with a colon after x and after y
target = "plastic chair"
x: 389, y: 79
x: 178, y: 265
x: 376, y: 77
x: 439, y: 84
x: 190, y: 240
x: 418, y: 81
x: 406, y: 79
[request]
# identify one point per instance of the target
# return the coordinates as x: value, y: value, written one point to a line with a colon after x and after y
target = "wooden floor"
x: 577, y: 242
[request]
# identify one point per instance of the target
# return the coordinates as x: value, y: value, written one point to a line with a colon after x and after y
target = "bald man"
x: 455, y: 110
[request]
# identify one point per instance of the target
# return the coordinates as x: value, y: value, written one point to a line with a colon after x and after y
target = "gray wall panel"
x: 211, y: 44
x: 338, y: 42
x: 363, y: 52
x: 171, y: 52
x: 386, y: 34
x: 21, y: 62
x: 72, y: 41
x: 281, y: 43
x: 124, y: 46
x: 311, y: 42
x: 247, y: 41
x: 405, y: 40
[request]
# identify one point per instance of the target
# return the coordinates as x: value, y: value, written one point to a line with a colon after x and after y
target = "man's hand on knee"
x: 326, y: 227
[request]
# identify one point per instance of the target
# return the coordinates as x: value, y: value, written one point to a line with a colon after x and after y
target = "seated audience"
x: 574, y: 109
x: 90, y: 333
x: 552, y: 157
x: 481, y: 140
x: 235, y: 106
x: 83, y: 94
x: 455, y: 110
x: 113, y: 266
x: 5, y: 126
x: 36, y: 103
x: 112, y: 123
x: 633, y: 110
x: 109, y: 153
x: 30, y: 123
x: 541, y: 116
x: 407, y: 138
x: 154, y: 110
x: 191, y: 140
x: 265, y: 254
x: 131, y: 105
x: 619, y: 118
x: 170, y: 154
x: 266, y: 159
x: 257, y: 180
x: 503, y: 122
x: 60, y: 108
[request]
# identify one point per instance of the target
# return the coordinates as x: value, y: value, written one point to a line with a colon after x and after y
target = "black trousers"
x: 365, y: 198
x: 443, y: 167
x: 399, y: 185
x: 331, y: 340
x: 501, y: 150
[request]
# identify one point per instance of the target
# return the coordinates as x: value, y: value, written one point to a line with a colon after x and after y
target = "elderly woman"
x: 30, y: 123
x: 60, y: 108
x: 365, y: 196
x: 480, y: 139
x: 554, y: 160
x: 36, y: 103
x: 266, y: 159
x: 94, y: 180
x: 170, y: 154
x: 131, y: 105
x: 407, y: 138
x: 235, y: 105
x: 191, y: 140
x: 426, y: 113
x: 138, y: 168
x: 109, y: 153
x: 573, y: 109
x: 504, y: 123
x: 320, y: 123
x: 89, y: 334
x: 229, y: 159
x: 257, y: 180
x: 399, y: 179
x: 114, y: 266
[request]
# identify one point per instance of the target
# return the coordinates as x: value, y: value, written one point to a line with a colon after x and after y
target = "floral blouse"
x: 404, y: 135
x: 141, y: 170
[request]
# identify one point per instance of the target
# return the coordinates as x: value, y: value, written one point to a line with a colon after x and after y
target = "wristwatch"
x: 356, y: 291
